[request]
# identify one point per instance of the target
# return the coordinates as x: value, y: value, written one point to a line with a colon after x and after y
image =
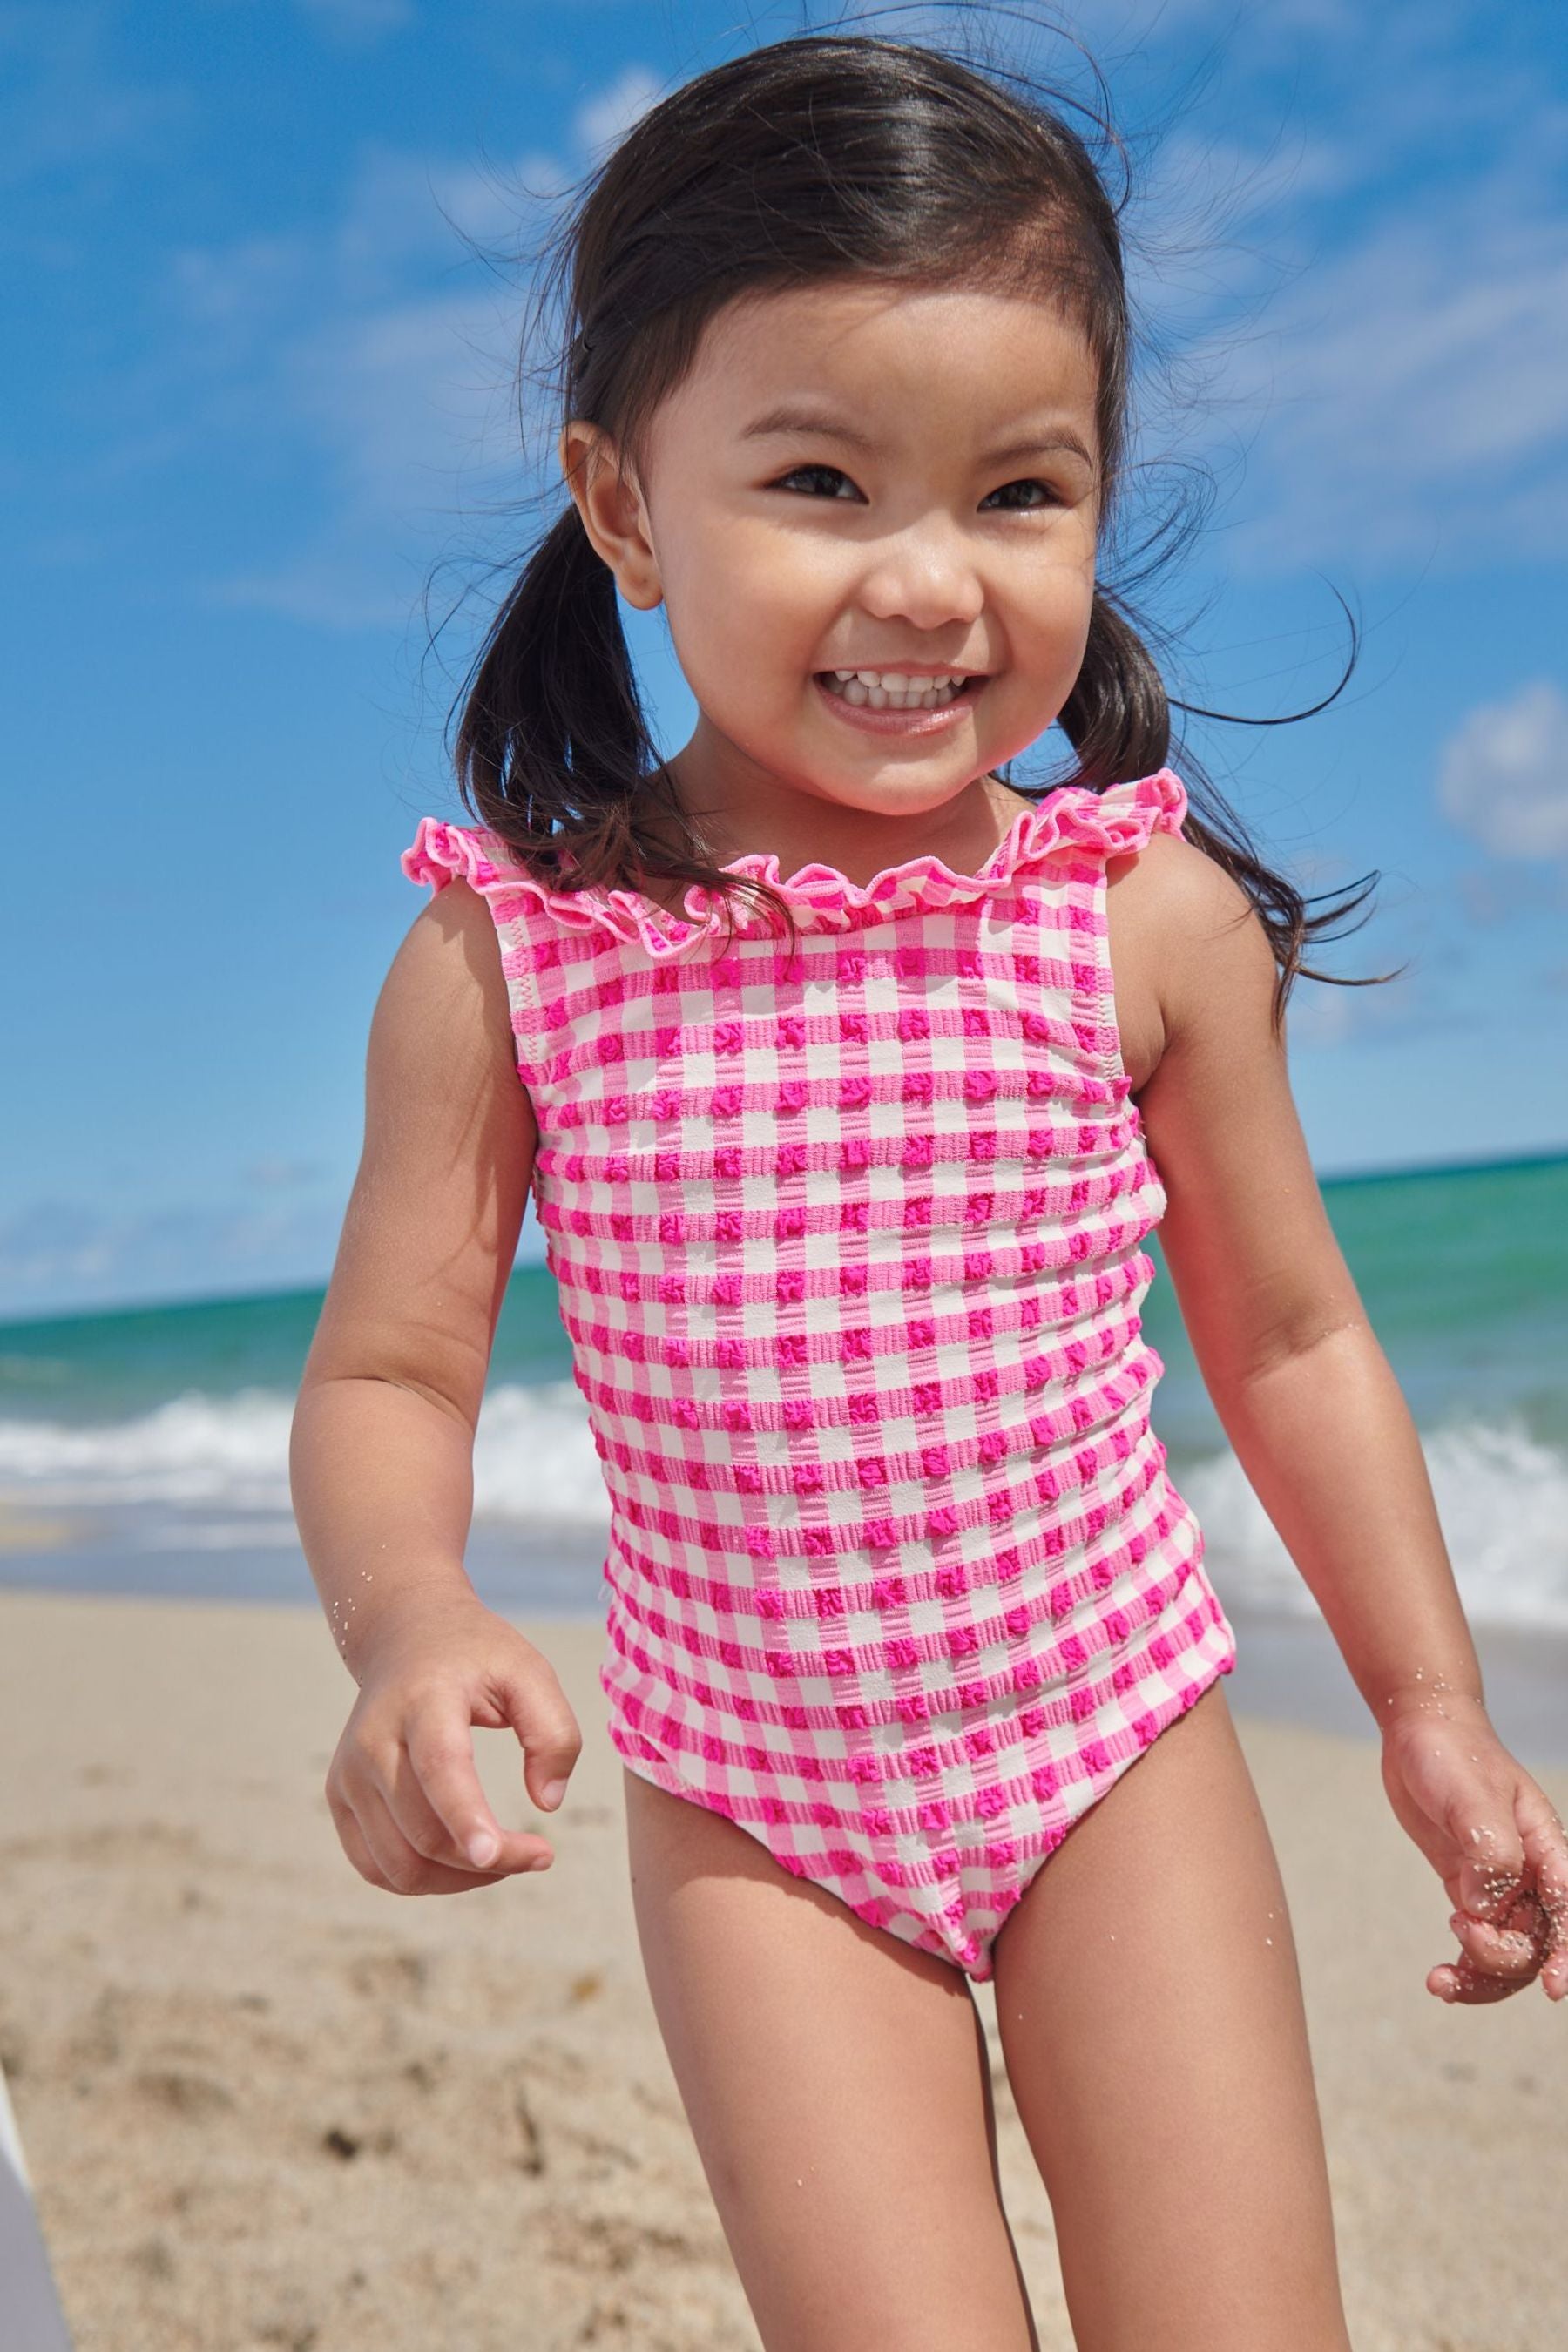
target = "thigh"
x: 1151, y: 2015
x: 837, y: 2088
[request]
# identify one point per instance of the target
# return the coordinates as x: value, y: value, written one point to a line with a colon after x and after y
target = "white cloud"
x: 1411, y: 396
x: 407, y: 407
x: 1360, y: 276
x: 1379, y: 316
x: 1399, y: 400
x: 1503, y: 775
x: 1412, y: 1005
x: 607, y: 117
x: 1316, y: 1015
x: 405, y: 399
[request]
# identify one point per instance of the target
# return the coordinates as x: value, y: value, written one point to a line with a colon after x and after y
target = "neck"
x: 737, y: 814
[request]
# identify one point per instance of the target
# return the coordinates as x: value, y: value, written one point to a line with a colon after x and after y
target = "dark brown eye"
x: 797, y: 473
x: 1047, y: 496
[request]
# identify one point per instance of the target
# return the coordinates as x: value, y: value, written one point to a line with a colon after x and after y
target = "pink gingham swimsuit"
x: 849, y: 1248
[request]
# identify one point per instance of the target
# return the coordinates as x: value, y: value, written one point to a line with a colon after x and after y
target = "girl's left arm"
x: 1318, y: 1422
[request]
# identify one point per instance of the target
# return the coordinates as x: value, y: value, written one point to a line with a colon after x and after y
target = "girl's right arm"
x: 380, y: 1457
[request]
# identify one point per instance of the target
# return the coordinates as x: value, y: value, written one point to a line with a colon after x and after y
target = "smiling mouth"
x: 882, y: 690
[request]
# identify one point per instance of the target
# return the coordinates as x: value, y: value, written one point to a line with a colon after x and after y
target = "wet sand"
x: 265, y: 2104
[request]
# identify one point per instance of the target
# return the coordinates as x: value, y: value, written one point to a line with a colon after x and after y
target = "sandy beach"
x: 267, y: 2105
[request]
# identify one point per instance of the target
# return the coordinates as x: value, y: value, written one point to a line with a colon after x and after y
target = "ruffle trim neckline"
x: 1117, y: 820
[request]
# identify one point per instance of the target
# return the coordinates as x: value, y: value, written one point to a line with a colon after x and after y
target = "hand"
x: 403, y: 1792
x: 1493, y: 1836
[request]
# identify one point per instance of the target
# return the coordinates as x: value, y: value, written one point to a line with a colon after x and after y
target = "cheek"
x: 1051, y: 613
x: 774, y: 601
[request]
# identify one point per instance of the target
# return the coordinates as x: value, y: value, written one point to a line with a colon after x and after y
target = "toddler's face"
x: 860, y: 478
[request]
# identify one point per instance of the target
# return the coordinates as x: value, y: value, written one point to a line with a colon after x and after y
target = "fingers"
x: 1498, y: 1956
x: 1497, y: 1959
x: 1510, y: 1893
x: 537, y: 1710
x: 382, y: 1856
x: 438, y: 1801
x: 1546, y: 1861
x: 397, y: 1841
x: 1457, y: 1980
x: 352, y: 1838
x: 402, y: 1868
x: 405, y: 1795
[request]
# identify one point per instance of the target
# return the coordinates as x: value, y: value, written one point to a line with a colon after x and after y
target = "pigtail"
x: 1116, y: 718
x: 553, y: 722
x: 554, y: 752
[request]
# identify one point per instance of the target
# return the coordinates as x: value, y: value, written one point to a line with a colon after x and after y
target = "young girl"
x: 852, y: 1082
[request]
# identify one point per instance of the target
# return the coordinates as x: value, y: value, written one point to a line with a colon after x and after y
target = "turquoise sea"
x: 145, y: 1450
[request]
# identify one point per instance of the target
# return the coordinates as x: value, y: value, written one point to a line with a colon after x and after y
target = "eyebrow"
x: 785, y: 419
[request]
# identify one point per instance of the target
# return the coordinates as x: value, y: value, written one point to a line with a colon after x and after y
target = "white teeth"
x: 896, y: 690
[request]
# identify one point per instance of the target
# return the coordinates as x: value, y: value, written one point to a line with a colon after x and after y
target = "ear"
x: 613, y: 516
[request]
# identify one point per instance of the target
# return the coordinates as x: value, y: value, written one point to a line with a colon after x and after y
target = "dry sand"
x: 265, y: 2104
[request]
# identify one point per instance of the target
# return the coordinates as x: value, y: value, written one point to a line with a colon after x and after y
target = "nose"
x: 924, y: 575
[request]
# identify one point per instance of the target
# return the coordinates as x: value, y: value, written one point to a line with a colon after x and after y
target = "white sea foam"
x: 203, y: 1473
x: 1502, y: 1501
x: 534, y: 1458
x: 194, y: 1449
x: 534, y: 1461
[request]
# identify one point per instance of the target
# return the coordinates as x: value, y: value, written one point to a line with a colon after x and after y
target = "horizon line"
x: 74, y: 1312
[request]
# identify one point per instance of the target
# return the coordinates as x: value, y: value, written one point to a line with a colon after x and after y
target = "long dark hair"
x: 823, y: 157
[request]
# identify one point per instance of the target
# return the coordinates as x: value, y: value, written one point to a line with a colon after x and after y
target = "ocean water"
x: 145, y: 1450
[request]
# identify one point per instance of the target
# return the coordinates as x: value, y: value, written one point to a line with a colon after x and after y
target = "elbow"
x: 368, y: 1379
x: 1283, y: 1346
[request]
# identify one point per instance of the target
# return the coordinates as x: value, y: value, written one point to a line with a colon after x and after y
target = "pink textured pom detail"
x: 848, y: 1234
x: 1112, y: 821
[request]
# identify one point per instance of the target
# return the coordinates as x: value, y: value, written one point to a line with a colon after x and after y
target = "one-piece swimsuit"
x: 848, y: 1232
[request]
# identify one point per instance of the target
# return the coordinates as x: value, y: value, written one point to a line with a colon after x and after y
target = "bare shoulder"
x: 432, y: 1224
x: 446, y: 993
x: 441, y: 1066
x: 1188, y: 950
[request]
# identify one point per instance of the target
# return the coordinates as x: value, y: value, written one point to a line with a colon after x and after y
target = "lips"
x: 894, y: 689
x: 874, y: 713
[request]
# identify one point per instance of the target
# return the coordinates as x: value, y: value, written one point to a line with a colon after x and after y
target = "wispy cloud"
x: 401, y: 398
x: 405, y: 412
x: 609, y: 116
x: 57, y: 1254
x: 1410, y: 394
x: 1378, y: 319
x: 1493, y: 894
x: 1502, y: 778
x: 1376, y: 334
x: 67, y: 108
x: 1412, y: 1005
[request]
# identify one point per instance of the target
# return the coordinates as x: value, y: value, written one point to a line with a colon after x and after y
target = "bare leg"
x: 838, y: 2089
x: 1152, y: 2022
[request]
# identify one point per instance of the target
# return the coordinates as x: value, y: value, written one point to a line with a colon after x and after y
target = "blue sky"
x: 257, y: 405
